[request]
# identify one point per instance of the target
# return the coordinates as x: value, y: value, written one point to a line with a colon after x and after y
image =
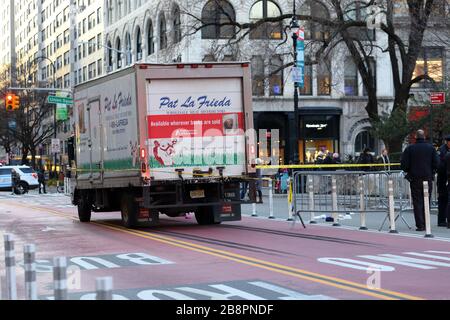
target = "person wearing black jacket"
x: 442, y: 183
x: 420, y: 161
x: 447, y: 165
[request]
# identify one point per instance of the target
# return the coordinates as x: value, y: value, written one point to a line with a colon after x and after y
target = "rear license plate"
x: 196, y: 194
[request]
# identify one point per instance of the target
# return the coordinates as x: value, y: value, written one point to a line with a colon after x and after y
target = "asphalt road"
x: 254, y: 259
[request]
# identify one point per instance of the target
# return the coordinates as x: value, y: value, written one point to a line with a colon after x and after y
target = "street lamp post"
x: 294, y: 26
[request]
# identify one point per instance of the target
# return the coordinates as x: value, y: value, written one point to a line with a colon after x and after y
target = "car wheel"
x: 21, y: 188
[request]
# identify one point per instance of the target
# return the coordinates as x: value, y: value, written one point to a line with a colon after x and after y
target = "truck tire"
x: 129, y: 210
x: 84, y: 208
x: 205, y: 216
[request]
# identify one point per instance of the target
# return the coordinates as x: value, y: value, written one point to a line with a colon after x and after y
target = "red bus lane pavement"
x: 250, y: 259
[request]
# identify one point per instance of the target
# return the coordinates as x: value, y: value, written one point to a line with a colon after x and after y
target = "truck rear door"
x: 95, y: 140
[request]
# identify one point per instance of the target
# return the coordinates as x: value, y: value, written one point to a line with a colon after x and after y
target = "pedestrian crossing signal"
x: 12, y: 102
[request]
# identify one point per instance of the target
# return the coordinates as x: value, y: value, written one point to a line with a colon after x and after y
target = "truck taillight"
x: 252, y: 149
x: 245, y: 65
x: 143, y: 167
x: 180, y: 66
x: 208, y: 66
x: 194, y: 66
x: 143, y: 153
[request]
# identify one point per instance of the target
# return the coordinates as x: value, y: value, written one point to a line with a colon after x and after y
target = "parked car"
x: 28, y: 178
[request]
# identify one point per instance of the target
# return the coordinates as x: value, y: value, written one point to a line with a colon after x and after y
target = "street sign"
x: 56, y: 146
x: 437, y: 97
x: 62, y: 100
x: 61, y: 112
x: 298, y: 74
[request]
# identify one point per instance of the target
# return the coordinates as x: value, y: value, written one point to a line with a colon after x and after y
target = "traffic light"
x: 16, y: 102
x: 12, y: 102
x: 9, y: 102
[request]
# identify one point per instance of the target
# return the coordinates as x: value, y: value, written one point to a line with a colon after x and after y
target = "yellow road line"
x: 267, y: 265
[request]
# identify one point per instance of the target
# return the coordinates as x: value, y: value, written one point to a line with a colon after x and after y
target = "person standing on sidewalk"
x: 420, y: 161
x: 447, y: 165
x: 442, y: 183
x: 41, y: 180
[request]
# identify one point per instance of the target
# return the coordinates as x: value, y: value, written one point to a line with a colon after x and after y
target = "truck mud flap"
x: 147, y: 217
x: 227, y: 212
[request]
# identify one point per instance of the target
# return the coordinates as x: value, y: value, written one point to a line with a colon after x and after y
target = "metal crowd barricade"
x: 342, y: 192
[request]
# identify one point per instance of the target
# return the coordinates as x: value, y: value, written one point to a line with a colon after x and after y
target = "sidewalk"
x: 352, y: 220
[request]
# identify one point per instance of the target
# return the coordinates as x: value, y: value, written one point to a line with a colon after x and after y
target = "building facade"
x: 56, y: 44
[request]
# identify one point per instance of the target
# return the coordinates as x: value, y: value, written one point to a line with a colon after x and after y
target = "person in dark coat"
x: 447, y: 166
x: 365, y: 158
x: 15, y: 178
x: 420, y: 161
x: 442, y: 184
x: 41, y: 180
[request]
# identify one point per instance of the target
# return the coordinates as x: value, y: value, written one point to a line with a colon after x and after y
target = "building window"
x: 138, y: 44
x: 150, y: 39
x: 216, y: 14
x: 430, y: 63
x: 258, y: 76
x: 350, y: 77
x: 269, y: 30
x: 358, y: 11
x: 110, y: 55
x: 324, y: 78
x: 315, y: 30
x: 364, y: 140
x: 162, y: 32
x: 276, y: 76
x: 176, y: 24
x: 307, y: 86
x: 118, y: 54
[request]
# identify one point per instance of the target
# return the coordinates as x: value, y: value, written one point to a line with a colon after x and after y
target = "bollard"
x: 29, y: 252
x: 361, y: 205
x: 391, y: 206
x: 289, y: 198
x: 10, y: 266
x: 254, y: 210
x: 334, y: 202
x: 311, y: 200
x: 426, y: 204
x: 104, y: 288
x: 271, y: 200
x: 60, y: 278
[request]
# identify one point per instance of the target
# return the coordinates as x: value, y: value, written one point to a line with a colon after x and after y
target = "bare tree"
x: 352, y: 24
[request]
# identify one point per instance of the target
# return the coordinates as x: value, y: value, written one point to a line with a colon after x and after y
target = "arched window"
x: 364, y: 140
x: 162, y: 31
x: 315, y: 30
x: 118, y: 54
x: 128, y: 57
x: 176, y: 24
x: 150, y: 38
x: 216, y: 16
x: 110, y: 55
x: 138, y: 44
x: 269, y: 30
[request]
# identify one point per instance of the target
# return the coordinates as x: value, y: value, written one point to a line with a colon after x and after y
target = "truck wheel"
x: 129, y: 209
x: 84, y: 208
x: 205, y: 216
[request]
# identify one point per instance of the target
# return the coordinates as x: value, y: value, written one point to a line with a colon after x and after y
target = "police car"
x: 28, y: 178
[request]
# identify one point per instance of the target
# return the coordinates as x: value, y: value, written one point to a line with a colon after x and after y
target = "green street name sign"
x: 62, y: 100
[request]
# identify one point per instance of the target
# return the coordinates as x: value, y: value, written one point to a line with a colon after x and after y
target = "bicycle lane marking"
x: 262, y: 264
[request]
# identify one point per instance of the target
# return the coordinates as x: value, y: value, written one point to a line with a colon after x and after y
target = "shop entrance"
x: 318, y: 133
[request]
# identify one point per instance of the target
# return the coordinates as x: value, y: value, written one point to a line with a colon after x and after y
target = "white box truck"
x: 167, y: 139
